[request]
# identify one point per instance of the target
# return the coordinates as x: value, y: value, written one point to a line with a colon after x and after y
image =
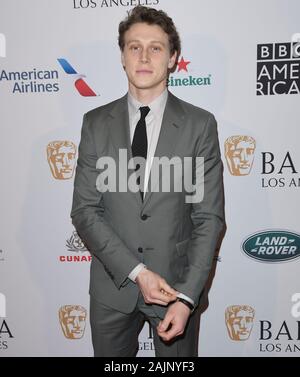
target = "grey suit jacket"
x: 173, y: 238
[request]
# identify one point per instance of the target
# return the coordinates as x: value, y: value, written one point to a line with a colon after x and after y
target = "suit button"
x: 140, y: 249
x: 144, y: 217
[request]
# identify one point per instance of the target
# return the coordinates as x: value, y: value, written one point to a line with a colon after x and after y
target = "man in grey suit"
x: 152, y: 249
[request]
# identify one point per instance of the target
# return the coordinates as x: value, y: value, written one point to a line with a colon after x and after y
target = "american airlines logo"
x: 80, y: 84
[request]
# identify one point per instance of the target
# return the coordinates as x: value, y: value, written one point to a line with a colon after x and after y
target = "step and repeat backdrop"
x: 241, y: 61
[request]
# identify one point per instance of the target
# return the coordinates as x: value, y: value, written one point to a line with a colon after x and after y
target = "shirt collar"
x: 156, y: 106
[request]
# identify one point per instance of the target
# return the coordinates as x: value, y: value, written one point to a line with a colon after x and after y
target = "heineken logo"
x: 272, y: 246
x: 183, y: 76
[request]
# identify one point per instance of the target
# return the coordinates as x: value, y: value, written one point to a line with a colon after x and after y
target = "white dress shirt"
x: 153, y: 126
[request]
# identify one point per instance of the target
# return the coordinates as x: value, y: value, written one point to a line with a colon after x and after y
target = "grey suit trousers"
x: 115, y: 334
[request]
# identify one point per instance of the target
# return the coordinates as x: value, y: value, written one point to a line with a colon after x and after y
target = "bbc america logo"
x: 278, y: 67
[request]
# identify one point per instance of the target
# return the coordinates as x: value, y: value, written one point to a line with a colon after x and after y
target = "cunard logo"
x: 75, y: 244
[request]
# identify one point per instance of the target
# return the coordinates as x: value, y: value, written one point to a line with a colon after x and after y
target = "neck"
x: 146, y: 96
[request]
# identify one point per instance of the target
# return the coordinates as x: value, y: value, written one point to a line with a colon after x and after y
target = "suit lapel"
x: 120, y: 133
x: 169, y: 136
x: 171, y: 128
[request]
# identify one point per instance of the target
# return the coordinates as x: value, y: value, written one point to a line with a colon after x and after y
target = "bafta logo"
x: 239, y: 153
x: 239, y: 321
x: 61, y: 158
x: 72, y: 319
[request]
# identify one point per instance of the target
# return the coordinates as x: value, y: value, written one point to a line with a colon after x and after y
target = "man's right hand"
x: 154, y: 288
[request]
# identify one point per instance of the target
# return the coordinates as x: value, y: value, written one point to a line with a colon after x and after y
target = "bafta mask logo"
x: 239, y: 321
x: 61, y: 158
x: 2, y: 306
x: 239, y: 153
x: 74, y: 243
x: 72, y: 319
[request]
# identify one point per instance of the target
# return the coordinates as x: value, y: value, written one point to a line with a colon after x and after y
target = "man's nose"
x: 144, y: 55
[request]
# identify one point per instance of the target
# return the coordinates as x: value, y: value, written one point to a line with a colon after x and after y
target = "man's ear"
x: 122, y: 59
x: 172, y: 60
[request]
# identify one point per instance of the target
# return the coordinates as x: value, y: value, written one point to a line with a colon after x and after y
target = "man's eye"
x: 155, y: 48
x: 134, y: 48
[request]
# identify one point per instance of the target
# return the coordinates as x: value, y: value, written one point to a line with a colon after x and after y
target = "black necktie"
x: 139, y: 143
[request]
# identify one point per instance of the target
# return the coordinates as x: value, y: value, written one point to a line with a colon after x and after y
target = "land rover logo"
x: 273, y: 246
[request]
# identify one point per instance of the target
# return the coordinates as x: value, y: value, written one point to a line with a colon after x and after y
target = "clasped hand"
x: 156, y: 290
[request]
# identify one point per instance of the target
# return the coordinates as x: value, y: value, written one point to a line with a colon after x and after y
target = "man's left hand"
x: 176, y: 316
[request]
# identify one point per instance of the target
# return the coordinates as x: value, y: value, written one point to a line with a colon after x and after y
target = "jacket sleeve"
x: 207, y: 217
x: 87, y: 214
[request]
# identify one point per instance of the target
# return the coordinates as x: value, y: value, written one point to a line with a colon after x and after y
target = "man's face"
x: 62, y: 162
x: 74, y: 324
x: 146, y: 57
x: 241, y: 325
x: 240, y: 157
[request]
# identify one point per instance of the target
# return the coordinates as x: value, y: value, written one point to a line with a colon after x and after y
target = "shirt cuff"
x: 137, y: 269
x: 186, y: 298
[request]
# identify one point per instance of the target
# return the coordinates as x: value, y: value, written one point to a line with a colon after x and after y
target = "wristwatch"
x: 187, y: 303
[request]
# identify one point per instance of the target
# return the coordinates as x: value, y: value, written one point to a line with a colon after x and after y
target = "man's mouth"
x: 144, y: 71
